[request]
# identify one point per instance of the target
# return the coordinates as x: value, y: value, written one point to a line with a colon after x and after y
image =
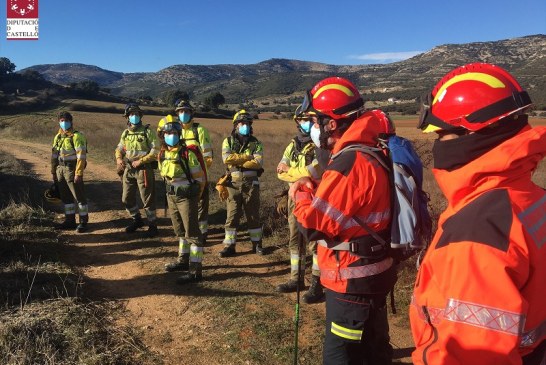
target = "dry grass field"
x: 239, y: 319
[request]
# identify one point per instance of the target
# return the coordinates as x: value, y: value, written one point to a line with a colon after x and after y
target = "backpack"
x: 183, y: 160
x: 411, y: 224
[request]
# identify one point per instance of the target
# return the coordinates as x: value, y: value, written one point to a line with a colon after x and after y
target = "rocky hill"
x: 525, y: 57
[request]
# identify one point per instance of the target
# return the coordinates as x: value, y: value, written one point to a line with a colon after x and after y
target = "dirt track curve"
x: 129, y: 268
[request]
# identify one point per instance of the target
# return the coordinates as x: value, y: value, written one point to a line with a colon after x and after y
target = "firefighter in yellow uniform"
x: 299, y: 161
x: 183, y: 169
x: 68, y: 160
x: 136, y: 157
x: 242, y: 153
x: 194, y: 133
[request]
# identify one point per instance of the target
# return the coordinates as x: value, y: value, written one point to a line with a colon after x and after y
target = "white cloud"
x: 386, y: 57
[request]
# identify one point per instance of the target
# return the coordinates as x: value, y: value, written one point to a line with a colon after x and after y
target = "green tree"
x: 32, y: 75
x: 171, y: 96
x: 6, y: 66
x: 86, y: 87
x: 214, y: 100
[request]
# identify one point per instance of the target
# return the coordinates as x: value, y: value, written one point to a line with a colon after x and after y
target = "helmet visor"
x: 426, y: 101
x: 305, y: 105
x: 172, y: 127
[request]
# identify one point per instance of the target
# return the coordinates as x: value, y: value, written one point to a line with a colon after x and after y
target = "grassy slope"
x: 44, y: 319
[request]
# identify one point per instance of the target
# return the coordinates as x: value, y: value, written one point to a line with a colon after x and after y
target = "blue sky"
x: 144, y: 35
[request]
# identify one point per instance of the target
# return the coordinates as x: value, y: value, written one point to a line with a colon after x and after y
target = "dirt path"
x: 184, y: 324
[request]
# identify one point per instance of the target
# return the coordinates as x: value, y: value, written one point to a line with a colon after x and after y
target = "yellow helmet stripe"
x: 470, y: 76
x: 339, y: 87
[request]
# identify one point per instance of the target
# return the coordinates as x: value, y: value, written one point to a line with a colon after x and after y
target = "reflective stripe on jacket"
x: 352, y: 185
x: 69, y: 146
x: 479, y: 293
x: 243, y: 162
x: 138, y: 143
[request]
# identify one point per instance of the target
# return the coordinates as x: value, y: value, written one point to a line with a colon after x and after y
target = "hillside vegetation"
x: 285, y: 80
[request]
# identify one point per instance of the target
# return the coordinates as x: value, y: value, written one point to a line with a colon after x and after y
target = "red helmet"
x: 336, y: 97
x: 387, y: 125
x: 472, y: 97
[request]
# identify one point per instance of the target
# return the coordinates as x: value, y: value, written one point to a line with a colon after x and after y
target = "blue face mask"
x: 172, y: 139
x: 134, y: 119
x: 65, y: 125
x: 244, y: 130
x: 306, y: 127
x: 184, y: 117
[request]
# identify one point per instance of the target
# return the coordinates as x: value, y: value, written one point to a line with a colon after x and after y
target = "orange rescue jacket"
x: 480, y: 294
x: 354, y: 184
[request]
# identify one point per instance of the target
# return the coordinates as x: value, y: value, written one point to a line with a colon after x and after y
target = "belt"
x: 67, y: 163
x: 142, y: 166
x: 365, y: 246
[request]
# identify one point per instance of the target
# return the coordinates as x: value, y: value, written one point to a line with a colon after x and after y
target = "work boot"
x: 257, y: 248
x: 194, y: 275
x: 291, y: 286
x: 228, y: 251
x: 152, y: 230
x: 181, y: 264
x: 68, y: 223
x: 135, y: 224
x: 82, y: 227
x: 315, y: 294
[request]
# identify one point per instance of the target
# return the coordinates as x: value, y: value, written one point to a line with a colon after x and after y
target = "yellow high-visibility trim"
x: 489, y: 80
x: 350, y: 334
x: 339, y: 87
x: 431, y: 128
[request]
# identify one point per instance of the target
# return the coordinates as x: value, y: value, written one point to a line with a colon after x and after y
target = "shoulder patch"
x: 486, y: 220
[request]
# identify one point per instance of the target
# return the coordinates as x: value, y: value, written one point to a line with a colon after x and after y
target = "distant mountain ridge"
x: 525, y: 57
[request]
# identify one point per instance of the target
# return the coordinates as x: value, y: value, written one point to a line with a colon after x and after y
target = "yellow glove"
x: 222, y: 192
x: 221, y: 187
x: 237, y: 159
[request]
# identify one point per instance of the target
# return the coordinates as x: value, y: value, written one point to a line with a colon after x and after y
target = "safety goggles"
x: 427, y: 118
x: 344, y: 111
x: 172, y: 127
x: 246, y: 118
x: 131, y: 107
x: 305, y: 116
x: 182, y: 104
x: 305, y: 105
